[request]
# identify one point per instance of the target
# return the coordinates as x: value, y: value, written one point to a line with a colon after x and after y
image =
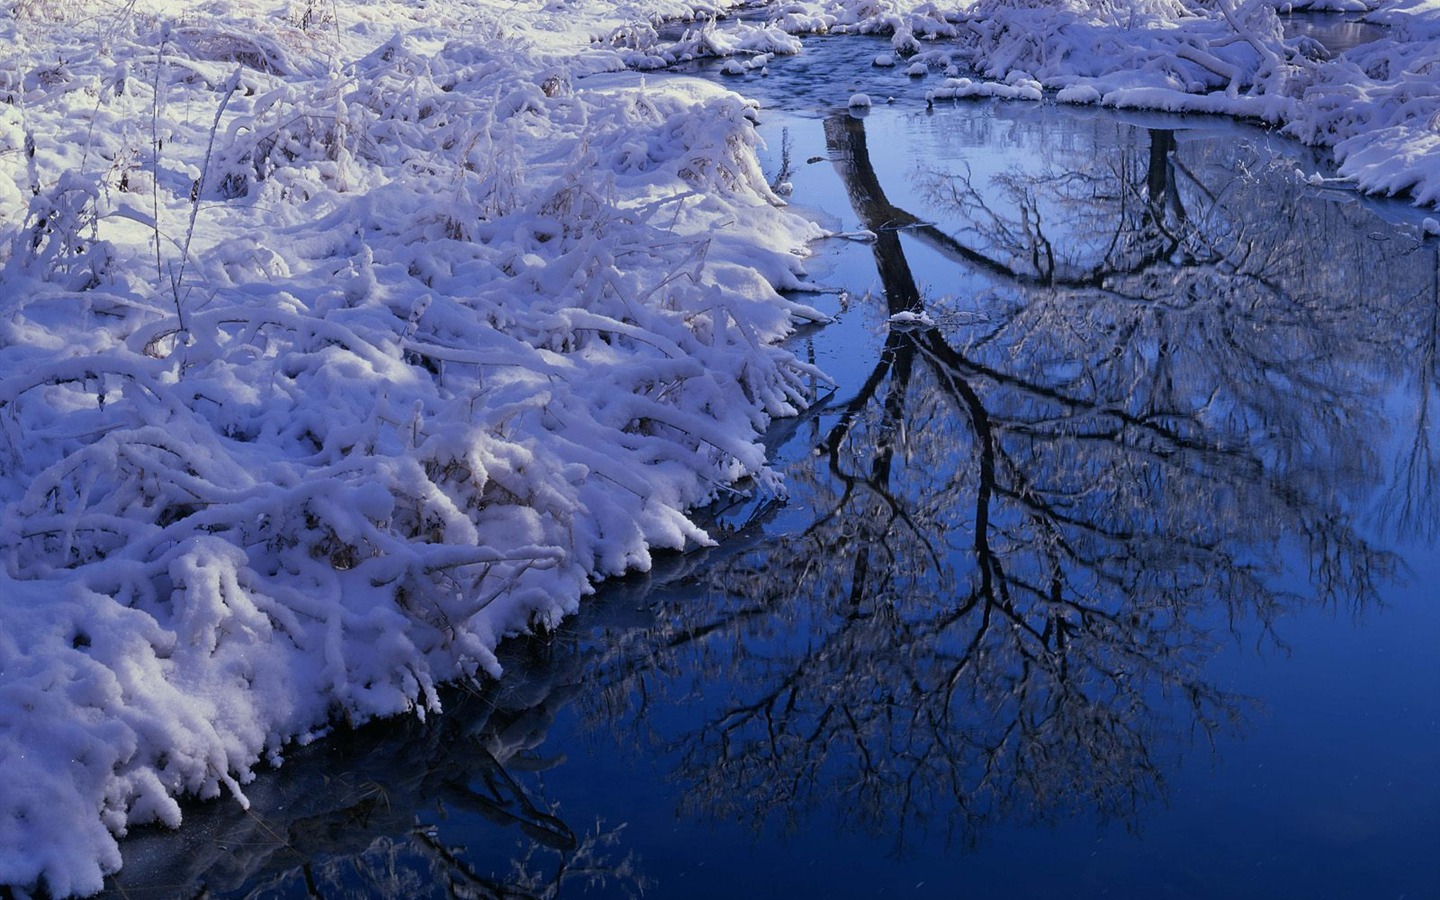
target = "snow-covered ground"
x: 340, y: 341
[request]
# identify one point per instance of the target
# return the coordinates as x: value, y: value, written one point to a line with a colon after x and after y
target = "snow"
x: 910, y: 321
x: 341, y: 343
x: 957, y: 88
x: 436, y: 335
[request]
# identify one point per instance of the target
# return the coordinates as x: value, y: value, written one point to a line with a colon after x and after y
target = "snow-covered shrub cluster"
x: 643, y: 47
x: 321, y: 370
x: 1379, y: 106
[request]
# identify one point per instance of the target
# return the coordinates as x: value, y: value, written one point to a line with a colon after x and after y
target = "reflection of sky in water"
x: 1328, y: 787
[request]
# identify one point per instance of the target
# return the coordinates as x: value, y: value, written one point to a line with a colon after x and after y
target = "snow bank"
x: 1377, y: 106
x: 332, y: 353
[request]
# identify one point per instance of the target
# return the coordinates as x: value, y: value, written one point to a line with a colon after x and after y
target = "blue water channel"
x: 1108, y: 565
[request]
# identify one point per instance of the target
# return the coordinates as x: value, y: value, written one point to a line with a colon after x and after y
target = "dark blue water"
x: 1113, y: 572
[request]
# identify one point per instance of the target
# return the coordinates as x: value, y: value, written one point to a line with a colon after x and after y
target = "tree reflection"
x: 1412, y: 503
x: 1026, y: 528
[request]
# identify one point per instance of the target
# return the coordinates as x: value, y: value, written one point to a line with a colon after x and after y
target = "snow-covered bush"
x: 318, y: 377
x: 58, y: 240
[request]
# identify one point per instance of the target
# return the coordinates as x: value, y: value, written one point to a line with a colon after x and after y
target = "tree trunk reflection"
x: 1024, y: 534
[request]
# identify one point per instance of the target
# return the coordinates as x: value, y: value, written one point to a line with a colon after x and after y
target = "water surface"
x: 1337, y: 32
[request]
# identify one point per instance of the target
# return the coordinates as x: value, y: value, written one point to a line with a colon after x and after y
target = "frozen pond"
x: 1108, y: 567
